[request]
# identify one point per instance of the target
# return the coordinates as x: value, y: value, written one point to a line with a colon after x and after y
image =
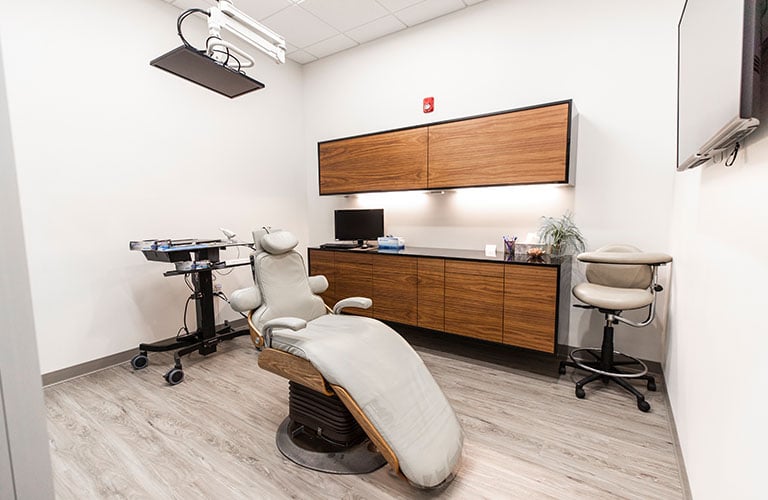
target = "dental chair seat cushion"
x: 390, y: 383
x: 615, y: 299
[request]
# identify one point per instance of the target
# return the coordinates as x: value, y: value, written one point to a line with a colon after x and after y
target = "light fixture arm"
x: 227, y: 16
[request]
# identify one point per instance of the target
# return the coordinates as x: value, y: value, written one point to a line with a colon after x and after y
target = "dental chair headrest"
x: 278, y: 242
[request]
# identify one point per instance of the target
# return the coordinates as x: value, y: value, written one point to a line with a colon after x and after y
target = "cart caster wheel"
x: 561, y: 370
x: 139, y: 361
x: 580, y: 393
x: 643, y: 405
x: 174, y: 376
x: 651, y: 385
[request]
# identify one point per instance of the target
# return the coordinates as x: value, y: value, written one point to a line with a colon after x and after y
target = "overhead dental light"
x: 219, y: 67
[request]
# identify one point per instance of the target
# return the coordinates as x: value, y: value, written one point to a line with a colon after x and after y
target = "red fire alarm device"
x: 429, y: 104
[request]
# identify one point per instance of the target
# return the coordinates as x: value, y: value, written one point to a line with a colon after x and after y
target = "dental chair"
x: 619, y: 278
x: 359, y: 395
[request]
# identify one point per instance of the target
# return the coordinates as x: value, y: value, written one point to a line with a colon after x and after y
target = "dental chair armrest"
x: 361, y: 302
x: 625, y: 258
x: 318, y: 284
x: 294, y: 324
x: 245, y: 299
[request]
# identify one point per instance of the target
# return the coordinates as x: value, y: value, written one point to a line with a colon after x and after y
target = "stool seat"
x: 615, y: 299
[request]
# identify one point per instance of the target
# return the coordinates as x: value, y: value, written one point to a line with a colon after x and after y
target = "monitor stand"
x: 362, y: 244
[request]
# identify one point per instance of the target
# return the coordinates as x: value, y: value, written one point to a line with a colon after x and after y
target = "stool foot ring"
x: 596, y: 366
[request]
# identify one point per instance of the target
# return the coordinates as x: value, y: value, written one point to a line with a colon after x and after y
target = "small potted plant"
x: 562, y: 234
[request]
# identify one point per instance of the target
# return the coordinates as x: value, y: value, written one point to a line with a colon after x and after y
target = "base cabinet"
x: 511, y: 303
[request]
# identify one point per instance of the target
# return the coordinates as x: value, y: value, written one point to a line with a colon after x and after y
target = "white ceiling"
x: 317, y: 28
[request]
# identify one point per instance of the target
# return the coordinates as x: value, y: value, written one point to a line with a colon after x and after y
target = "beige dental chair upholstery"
x: 619, y: 278
x: 350, y: 377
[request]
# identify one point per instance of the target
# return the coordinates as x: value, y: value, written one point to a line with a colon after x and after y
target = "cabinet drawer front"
x: 394, y: 263
x: 431, y: 291
x: 321, y: 263
x: 530, y: 307
x: 353, y: 258
x: 380, y: 162
x: 519, y: 147
x: 474, y: 305
x: 471, y: 268
x: 354, y: 278
x: 394, y: 288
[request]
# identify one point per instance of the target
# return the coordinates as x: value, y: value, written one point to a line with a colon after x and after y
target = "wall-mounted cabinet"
x: 391, y: 161
x: 523, y: 146
x: 520, y: 147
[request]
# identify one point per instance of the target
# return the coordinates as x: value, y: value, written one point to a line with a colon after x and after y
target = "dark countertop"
x: 476, y: 255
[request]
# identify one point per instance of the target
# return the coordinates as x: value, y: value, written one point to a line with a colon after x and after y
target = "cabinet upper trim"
x: 451, y: 120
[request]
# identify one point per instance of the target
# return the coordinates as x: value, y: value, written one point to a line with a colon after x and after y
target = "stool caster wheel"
x: 139, y: 361
x: 561, y: 370
x: 643, y: 405
x: 174, y: 376
x: 651, y: 385
x: 580, y: 392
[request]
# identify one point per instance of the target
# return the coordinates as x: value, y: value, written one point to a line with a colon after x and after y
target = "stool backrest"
x: 619, y: 276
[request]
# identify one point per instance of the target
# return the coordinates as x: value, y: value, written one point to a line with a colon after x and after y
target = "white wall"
x: 615, y: 60
x: 25, y: 466
x: 110, y: 149
x: 715, y: 366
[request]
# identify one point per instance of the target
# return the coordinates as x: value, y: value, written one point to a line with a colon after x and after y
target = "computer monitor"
x: 359, y: 224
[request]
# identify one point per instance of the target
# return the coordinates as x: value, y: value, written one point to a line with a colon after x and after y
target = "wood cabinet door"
x: 519, y: 147
x: 389, y: 161
x: 354, y: 278
x: 530, y: 307
x: 321, y: 263
x: 394, y: 288
x: 431, y: 293
x: 474, y: 294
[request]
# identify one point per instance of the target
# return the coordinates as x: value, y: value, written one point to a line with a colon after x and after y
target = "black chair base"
x: 607, y: 368
x: 302, y: 447
x: 321, y: 434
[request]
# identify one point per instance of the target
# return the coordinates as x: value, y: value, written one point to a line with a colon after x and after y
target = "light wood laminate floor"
x: 118, y: 433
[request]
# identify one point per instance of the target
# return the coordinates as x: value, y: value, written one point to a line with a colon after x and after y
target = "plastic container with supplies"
x: 391, y: 243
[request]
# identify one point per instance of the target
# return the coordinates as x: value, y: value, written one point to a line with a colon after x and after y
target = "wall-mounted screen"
x: 718, y: 77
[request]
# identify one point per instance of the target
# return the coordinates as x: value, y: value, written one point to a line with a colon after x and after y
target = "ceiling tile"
x: 192, y: 4
x: 395, y: 5
x: 260, y: 9
x: 299, y: 27
x: 328, y: 26
x: 376, y: 29
x: 429, y: 9
x: 301, y: 57
x: 330, y: 46
x: 345, y: 14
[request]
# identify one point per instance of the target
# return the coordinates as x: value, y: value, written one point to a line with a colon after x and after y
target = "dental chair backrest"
x: 280, y: 274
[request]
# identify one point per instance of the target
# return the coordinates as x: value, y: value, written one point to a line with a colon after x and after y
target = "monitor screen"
x: 718, y: 75
x: 200, y: 69
x: 359, y: 225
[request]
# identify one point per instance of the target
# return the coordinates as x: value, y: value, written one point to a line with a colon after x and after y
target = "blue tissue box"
x: 391, y: 243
